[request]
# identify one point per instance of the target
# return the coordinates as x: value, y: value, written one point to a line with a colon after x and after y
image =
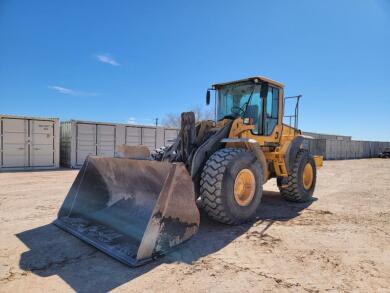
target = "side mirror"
x: 208, y: 97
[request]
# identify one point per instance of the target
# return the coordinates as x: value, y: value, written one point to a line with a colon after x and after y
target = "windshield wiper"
x: 249, y: 101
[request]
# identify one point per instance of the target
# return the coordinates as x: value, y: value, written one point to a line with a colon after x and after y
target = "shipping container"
x: 82, y: 138
x: 28, y: 143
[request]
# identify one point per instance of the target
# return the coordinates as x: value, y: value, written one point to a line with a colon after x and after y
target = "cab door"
x: 268, y: 129
x: 271, y: 110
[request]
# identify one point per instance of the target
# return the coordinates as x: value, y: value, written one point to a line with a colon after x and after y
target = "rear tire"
x: 300, y: 184
x: 231, y: 186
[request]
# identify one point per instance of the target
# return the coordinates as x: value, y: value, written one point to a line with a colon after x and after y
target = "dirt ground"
x: 338, y: 242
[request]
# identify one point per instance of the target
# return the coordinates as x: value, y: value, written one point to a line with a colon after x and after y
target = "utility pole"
x: 155, y: 134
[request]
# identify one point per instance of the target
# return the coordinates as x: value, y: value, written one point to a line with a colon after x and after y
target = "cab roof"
x: 254, y: 79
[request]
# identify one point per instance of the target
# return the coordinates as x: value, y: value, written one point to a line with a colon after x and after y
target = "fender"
x: 292, y: 151
x: 255, y: 148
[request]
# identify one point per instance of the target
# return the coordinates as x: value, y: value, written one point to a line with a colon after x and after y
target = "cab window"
x: 272, y: 105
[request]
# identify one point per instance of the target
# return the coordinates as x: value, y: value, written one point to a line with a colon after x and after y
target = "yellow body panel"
x: 319, y: 160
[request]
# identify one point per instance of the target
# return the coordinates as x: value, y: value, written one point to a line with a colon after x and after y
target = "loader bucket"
x: 133, y: 210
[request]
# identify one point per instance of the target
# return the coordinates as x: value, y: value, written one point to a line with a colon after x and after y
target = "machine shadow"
x: 60, y: 169
x: 55, y: 252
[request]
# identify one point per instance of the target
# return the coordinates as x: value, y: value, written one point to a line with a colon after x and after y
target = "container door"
x: 105, y: 140
x: 170, y: 136
x: 85, y: 141
x: 149, y: 138
x: 160, y: 137
x: 41, y: 143
x: 133, y: 135
x: 15, y: 148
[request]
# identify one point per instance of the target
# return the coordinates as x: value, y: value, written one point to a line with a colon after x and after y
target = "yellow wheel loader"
x: 137, y: 206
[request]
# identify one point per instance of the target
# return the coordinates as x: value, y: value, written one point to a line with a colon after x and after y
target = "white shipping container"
x: 148, y: 138
x: 133, y: 135
x: 170, y: 135
x: 28, y: 143
x: 82, y: 138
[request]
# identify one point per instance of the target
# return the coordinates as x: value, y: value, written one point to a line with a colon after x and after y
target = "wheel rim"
x: 244, y: 187
x: 308, y: 176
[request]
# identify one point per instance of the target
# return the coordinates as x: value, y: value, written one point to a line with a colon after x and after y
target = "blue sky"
x: 121, y: 60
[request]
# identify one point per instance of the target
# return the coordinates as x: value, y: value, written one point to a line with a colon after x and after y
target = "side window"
x: 272, y: 109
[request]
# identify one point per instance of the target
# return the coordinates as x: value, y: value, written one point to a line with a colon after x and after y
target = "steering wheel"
x: 238, y: 111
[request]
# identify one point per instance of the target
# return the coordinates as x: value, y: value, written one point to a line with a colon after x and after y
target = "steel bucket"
x: 133, y: 210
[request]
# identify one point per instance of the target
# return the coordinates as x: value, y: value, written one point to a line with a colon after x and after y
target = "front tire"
x: 300, y: 183
x: 231, y: 186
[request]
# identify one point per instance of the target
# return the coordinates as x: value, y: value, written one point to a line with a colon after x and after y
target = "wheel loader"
x: 136, y: 206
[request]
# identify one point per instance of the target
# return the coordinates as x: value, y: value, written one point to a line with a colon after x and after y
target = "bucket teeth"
x: 131, y: 209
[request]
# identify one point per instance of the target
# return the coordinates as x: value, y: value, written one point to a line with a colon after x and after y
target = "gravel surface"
x: 338, y: 242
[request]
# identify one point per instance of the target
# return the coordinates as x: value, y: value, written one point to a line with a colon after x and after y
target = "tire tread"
x: 211, y: 184
x: 291, y: 192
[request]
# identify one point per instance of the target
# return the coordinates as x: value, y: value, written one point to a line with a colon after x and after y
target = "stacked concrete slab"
x: 326, y: 136
x: 344, y: 149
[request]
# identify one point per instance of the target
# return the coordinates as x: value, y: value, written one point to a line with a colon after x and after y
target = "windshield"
x: 241, y: 100
x: 233, y: 99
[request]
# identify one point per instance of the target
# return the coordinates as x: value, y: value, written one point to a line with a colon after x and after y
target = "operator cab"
x: 257, y: 100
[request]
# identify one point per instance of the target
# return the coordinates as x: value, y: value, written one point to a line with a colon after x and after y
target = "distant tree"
x: 173, y: 120
x: 202, y: 113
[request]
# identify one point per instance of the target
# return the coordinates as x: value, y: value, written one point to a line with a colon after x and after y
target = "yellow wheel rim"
x: 244, y: 187
x: 308, y: 176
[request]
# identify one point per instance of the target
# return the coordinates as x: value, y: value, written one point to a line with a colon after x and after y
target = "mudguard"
x: 292, y: 151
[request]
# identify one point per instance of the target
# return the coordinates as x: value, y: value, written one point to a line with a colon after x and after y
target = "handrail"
x: 296, y: 110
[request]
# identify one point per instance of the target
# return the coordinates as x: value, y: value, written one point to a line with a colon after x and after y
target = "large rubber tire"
x: 217, y: 185
x: 295, y: 190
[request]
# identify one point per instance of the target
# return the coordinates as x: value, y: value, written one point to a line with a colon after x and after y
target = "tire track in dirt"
x: 212, y: 262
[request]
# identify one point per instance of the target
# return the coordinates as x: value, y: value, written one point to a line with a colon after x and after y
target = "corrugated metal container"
x: 28, y: 143
x: 82, y: 138
x: 148, y: 137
